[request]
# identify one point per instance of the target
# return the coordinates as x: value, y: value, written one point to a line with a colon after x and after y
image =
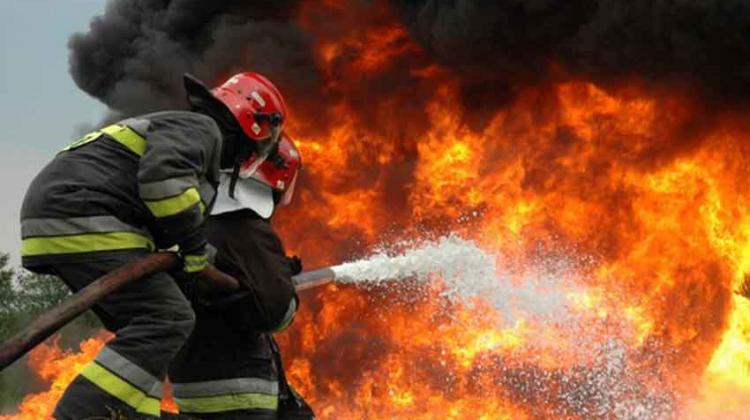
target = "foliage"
x: 23, y: 296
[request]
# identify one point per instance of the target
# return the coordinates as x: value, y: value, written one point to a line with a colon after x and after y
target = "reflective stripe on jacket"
x: 80, y: 235
x: 223, y: 395
x: 144, y: 182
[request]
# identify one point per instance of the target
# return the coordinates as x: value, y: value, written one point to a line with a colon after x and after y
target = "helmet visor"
x: 286, y: 199
x: 265, y: 149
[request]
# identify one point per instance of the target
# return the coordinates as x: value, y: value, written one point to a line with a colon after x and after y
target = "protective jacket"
x: 142, y: 183
x: 249, y: 249
x: 229, y: 367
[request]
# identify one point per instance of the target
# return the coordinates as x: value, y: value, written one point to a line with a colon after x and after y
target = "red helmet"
x: 280, y: 171
x: 256, y: 104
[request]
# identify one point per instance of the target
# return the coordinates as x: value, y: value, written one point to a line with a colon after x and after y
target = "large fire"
x: 637, y: 196
x: 657, y: 230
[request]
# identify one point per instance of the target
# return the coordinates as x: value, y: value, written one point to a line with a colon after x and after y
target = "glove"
x: 295, y: 264
x: 186, y: 274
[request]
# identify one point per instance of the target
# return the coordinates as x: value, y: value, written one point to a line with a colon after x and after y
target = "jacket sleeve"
x: 249, y: 250
x: 180, y: 151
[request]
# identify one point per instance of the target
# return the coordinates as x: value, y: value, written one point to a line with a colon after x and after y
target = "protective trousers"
x: 225, y: 373
x: 151, y: 319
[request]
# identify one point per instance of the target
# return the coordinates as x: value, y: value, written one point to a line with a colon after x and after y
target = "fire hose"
x: 57, y: 317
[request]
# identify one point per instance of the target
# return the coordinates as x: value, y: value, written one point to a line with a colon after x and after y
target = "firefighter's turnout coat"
x: 109, y: 198
x: 230, y: 366
x: 142, y: 183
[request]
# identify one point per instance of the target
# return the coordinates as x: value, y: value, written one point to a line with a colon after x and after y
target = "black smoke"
x: 703, y: 45
x: 133, y: 56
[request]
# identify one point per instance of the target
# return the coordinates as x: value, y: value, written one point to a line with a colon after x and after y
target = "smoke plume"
x: 702, y: 45
x: 133, y: 56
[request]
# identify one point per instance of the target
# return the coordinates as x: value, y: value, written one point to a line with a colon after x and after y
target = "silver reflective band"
x: 166, y: 188
x: 130, y: 372
x: 225, y: 387
x: 76, y: 225
x: 139, y: 125
x: 289, y: 315
x: 207, y: 192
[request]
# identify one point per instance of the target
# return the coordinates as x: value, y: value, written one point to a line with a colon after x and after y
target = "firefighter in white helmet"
x: 230, y: 367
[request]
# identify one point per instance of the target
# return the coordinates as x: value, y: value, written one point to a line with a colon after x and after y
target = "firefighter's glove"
x: 295, y: 264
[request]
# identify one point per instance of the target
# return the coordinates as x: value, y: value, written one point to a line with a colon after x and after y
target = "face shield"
x: 286, y: 198
x: 267, y: 146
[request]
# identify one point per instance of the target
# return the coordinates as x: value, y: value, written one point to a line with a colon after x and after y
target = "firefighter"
x: 230, y: 367
x: 118, y: 193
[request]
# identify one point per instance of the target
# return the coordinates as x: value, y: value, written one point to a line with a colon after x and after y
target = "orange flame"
x: 57, y: 367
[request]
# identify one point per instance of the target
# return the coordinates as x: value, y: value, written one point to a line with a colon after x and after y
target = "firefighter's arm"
x: 249, y: 249
x: 295, y: 267
x: 179, y: 152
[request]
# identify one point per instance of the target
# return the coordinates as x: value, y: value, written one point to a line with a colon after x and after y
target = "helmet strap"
x: 235, y: 176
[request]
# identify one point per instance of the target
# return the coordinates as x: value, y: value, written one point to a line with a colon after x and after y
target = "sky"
x: 41, y: 108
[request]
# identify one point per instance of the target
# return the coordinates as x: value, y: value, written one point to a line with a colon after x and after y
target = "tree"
x: 23, y: 296
x: 6, y: 292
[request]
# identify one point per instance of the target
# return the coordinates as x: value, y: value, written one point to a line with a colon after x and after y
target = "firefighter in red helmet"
x: 116, y: 194
x: 230, y: 367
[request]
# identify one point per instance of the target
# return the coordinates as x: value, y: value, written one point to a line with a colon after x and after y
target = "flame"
x: 58, y: 368
x: 633, y: 200
x: 638, y: 192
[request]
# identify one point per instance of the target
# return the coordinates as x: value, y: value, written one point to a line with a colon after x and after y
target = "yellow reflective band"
x: 174, y: 205
x: 127, y: 137
x: 122, y: 134
x: 87, y: 242
x: 195, y: 263
x: 88, y: 138
x: 122, y: 390
x: 230, y: 402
